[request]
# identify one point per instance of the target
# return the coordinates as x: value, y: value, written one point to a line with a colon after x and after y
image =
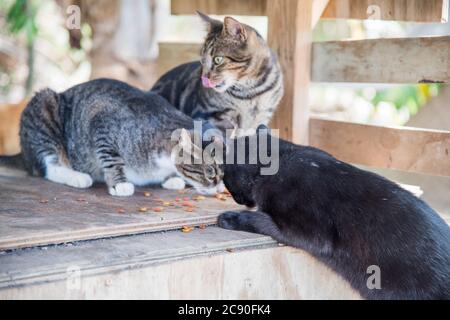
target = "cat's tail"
x: 12, y: 162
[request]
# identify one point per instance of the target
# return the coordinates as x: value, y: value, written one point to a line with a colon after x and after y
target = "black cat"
x: 348, y: 218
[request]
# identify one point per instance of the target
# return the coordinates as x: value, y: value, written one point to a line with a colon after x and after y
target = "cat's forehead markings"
x: 210, y: 45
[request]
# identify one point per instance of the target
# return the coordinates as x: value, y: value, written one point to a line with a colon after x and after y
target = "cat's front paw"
x: 229, y: 220
x: 79, y: 180
x: 174, y: 183
x: 123, y: 189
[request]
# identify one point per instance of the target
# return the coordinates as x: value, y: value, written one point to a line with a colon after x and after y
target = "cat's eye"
x: 218, y: 60
x: 210, y: 172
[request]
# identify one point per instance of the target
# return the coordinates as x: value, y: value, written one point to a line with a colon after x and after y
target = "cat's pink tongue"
x: 207, y: 83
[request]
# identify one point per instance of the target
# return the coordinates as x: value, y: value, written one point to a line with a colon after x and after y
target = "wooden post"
x: 290, y: 36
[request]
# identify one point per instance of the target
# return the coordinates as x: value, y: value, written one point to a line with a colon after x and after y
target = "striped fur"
x: 106, y: 130
x: 248, y: 84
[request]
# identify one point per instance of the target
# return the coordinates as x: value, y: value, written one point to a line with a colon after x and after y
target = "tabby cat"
x: 237, y: 84
x: 106, y: 130
x: 352, y: 220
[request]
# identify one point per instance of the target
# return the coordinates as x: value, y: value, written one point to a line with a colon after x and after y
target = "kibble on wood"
x: 186, y: 229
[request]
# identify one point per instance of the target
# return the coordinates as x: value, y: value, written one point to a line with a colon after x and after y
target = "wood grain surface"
x: 34, y: 212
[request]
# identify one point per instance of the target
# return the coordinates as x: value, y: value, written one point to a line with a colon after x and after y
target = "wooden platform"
x: 61, y: 243
x: 205, y: 264
x: 35, y: 212
x: 135, y: 255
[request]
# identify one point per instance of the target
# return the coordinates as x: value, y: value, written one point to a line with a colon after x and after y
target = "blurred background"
x: 59, y: 43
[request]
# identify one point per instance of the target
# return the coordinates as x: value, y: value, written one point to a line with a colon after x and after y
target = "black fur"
x: 348, y: 218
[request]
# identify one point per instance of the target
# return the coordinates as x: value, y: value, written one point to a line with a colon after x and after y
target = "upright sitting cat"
x: 348, y: 218
x: 106, y: 130
x: 237, y: 84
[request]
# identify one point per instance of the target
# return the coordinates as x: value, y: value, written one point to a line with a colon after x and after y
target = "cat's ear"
x: 185, y: 142
x: 234, y: 28
x: 212, y: 23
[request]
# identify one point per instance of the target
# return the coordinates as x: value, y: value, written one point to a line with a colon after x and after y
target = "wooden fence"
x: 364, y: 61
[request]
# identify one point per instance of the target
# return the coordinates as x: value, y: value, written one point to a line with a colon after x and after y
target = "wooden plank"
x: 9, y: 127
x: 25, y: 222
x: 222, y: 264
x: 409, y: 149
x: 236, y: 7
x: 220, y: 7
x: 34, y: 265
x: 403, y: 10
x: 318, y: 8
x: 293, y: 47
x: 406, y: 60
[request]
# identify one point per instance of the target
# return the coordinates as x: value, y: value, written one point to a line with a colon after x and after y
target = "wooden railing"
x: 409, y: 60
x: 402, y: 148
x: 403, y: 10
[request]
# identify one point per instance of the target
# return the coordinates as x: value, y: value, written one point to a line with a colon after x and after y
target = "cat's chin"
x: 221, y: 89
x: 222, y: 86
x: 244, y: 202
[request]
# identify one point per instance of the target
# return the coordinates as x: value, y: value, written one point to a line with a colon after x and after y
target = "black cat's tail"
x: 13, y: 162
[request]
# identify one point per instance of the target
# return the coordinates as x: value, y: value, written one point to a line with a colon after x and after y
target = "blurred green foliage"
x: 21, y: 17
x: 411, y: 96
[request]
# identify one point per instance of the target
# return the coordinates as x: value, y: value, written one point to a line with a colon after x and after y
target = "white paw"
x: 220, y: 187
x: 123, y: 189
x: 79, y: 180
x: 206, y: 191
x: 174, y: 183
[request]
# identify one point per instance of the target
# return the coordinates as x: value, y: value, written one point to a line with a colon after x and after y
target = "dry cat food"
x: 187, y: 204
x: 221, y: 196
x: 187, y: 229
